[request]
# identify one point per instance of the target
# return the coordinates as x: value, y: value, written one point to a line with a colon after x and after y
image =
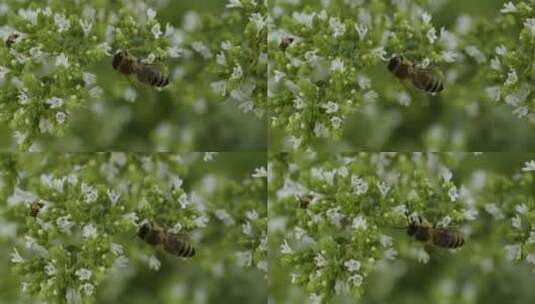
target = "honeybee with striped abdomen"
x: 441, y: 237
x: 11, y: 39
x: 422, y: 78
x: 146, y: 73
x: 285, y: 43
x: 174, y: 244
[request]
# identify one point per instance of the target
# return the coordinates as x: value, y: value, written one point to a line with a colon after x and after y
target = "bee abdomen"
x: 179, y: 248
x: 448, y: 239
x: 153, y: 78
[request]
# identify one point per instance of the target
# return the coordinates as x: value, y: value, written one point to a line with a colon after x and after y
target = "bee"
x: 11, y: 39
x: 304, y: 201
x: 172, y: 243
x: 423, y: 79
x: 146, y: 73
x: 35, y: 208
x: 441, y: 237
x: 285, y: 43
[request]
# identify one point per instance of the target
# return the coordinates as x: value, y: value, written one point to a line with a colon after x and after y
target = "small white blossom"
x: 501, y: 50
x: 209, y: 156
x: 517, y: 222
x: 285, y: 248
x: 385, y: 240
x: 364, y: 82
x: 508, y: 7
x: 252, y: 215
x: 45, y: 126
x: 151, y: 13
x: 444, y: 222
x: 352, y: 265
x: 494, y: 93
x: 116, y: 249
x: 356, y: 279
x: 247, y: 229
x: 154, y: 263
x: 512, y: 78
x: 83, y: 274
x: 426, y: 17
x: 156, y: 31
x: 86, y: 26
x: 245, y: 258
x: 384, y: 188
x: 331, y: 107
x: 50, y: 269
x: 449, y: 56
x: 493, y: 210
x: 337, y: 27
x: 299, y: 103
x: 219, y: 87
x: 422, y: 256
x: 29, y: 15
x: 54, y: 102
x: 258, y: 20
x: 174, y: 52
x: 531, y: 239
x: 114, y: 196
x: 529, y: 166
x: 370, y: 96
x: 61, y: 22
x: 64, y: 224
x: 234, y: 4
x: 202, y: 49
x: 362, y: 30
x: 360, y: 223
x: 260, y: 173
x: 521, y: 209
x: 89, y: 78
x: 336, y: 122
x: 237, y: 72
x: 89, y: 231
x: 475, y: 53
x: 130, y: 94
x: 62, y: 60
x: 87, y: 288
x: 431, y: 35
x: 495, y: 64
x: 453, y: 193
x: 513, y: 252
x: 390, y: 254
x: 315, y: 299
x: 335, y: 217
x: 320, y: 260
x: 61, y: 117
x: 531, y: 258
x: 359, y: 185
x: 15, y: 257
x: 337, y: 65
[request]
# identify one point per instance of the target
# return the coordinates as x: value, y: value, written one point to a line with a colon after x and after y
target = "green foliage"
x: 349, y: 232
x: 93, y: 205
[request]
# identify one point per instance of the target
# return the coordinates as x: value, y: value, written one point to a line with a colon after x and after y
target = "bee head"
x: 144, y: 230
x: 394, y: 63
x: 411, y: 229
x: 118, y: 58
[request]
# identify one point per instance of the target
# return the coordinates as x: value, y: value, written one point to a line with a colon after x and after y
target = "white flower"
x: 130, y: 94
x: 494, y: 93
x: 154, y: 263
x: 83, y: 274
x: 531, y: 258
x: 359, y: 185
x: 252, y: 215
x: 89, y: 78
x: 529, y: 166
x: 521, y: 208
x: 183, y: 201
x: 495, y: 64
x: 390, y: 254
x: 105, y: 48
x: 422, y: 256
x: 512, y: 78
x: 86, y: 26
x: 299, y: 103
x: 513, y: 252
x: 50, y: 269
x: 453, y: 193
x: 285, y: 248
x: 320, y: 260
x: 151, y: 13
x: 335, y: 217
x: 113, y: 196
x: 370, y: 96
x: 444, y: 222
x: 61, y: 22
x: 223, y: 216
x: 260, y: 173
x: 237, y: 72
x: 385, y: 240
x: 174, y: 52
x: 62, y: 60
x: 501, y: 50
x: 494, y: 211
x: 337, y: 27
x: 449, y: 56
x: 320, y: 130
x: 209, y: 156
x: 64, y: 223
x: 521, y: 111
x: 247, y: 229
x: 360, y: 223
x: 201, y: 221
x: 234, y: 4
x: 337, y: 65
x: 156, y: 31
x: 352, y: 265
x: 384, y: 188
x: 15, y: 257
x: 356, y: 279
x: 531, y: 239
x: 116, y: 249
x: 45, y: 126
x: 426, y: 18
x: 517, y: 222
x: 89, y: 231
x: 54, y: 102
x: 29, y: 15
x: 87, y: 288
x: 331, y: 107
x: 475, y: 53
x: 315, y: 299
x: 202, y: 49
x: 90, y: 194
x: 336, y: 122
x: 364, y: 82
x: 431, y: 35
x: 258, y: 20
x: 508, y: 7
x: 362, y: 30
x: 61, y: 117
x: 219, y: 87
x: 72, y: 296
x: 245, y: 258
